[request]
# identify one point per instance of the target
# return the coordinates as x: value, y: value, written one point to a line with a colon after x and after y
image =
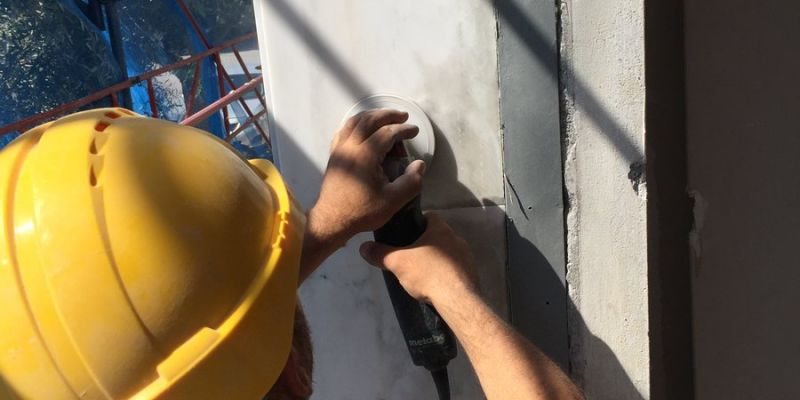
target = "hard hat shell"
x: 142, y: 259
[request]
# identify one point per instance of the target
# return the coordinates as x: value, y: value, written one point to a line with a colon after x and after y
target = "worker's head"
x: 143, y: 258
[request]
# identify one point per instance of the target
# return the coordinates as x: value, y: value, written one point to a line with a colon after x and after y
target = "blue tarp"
x: 50, y: 54
x: 155, y: 34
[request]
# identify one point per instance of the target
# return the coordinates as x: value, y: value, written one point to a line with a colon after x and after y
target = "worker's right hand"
x: 356, y: 196
x: 439, y: 267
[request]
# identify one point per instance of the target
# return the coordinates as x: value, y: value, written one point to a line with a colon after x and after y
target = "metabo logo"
x: 438, y: 339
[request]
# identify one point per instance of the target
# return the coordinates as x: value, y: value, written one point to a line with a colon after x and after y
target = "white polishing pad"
x: 420, y: 147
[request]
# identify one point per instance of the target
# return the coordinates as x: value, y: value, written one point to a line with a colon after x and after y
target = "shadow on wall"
x: 576, y: 95
x: 589, y: 104
x: 607, y: 367
x: 608, y: 370
x: 443, y: 168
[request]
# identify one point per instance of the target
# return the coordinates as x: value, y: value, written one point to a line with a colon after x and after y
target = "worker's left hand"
x: 356, y: 195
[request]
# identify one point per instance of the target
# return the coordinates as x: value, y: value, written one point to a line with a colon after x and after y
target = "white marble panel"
x: 321, y: 56
x: 358, y: 346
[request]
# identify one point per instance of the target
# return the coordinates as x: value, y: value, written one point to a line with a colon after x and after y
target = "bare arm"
x: 509, y: 366
x: 355, y: 195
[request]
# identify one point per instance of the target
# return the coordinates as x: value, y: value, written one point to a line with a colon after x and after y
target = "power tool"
x: 428, y: 338
x: 430, y: 341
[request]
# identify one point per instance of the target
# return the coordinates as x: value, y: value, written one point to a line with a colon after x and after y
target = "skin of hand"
x: 447, y: 258
x: 439, y: 269
x: 356, y: 196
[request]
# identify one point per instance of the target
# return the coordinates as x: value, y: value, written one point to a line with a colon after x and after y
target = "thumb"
x: 375, y: 253
x: 408, y: 185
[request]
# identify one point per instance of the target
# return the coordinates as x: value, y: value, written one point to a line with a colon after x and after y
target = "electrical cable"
x: 442, y: 382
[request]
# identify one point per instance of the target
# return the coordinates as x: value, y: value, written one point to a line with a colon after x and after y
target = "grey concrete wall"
x: 602, y: 62
x: 743, y: 80
x: 529, y: 103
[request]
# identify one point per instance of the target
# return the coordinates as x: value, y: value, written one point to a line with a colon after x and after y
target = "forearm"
x: 508, y: 366
x: 321, y: 239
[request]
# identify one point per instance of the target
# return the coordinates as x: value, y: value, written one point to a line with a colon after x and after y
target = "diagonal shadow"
x: 542, y: 50
x: 349, y: 81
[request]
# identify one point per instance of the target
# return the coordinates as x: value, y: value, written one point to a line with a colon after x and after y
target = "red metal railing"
x: 229, y: 91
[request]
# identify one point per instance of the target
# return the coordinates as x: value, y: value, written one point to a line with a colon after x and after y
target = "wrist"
x: 321, y: 239
x: 324, y: 230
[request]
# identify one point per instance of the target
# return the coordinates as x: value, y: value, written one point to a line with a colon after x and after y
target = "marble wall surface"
x: 320, y: 57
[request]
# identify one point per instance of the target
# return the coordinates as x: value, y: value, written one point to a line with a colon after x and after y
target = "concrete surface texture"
x: 602, y: 62
x: 320, y: 57
x: 742, y: 99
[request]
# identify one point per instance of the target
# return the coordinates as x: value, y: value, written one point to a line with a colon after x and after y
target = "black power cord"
x: 442, y: 382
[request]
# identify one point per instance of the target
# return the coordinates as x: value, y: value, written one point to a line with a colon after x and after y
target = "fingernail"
x: 423, y: 168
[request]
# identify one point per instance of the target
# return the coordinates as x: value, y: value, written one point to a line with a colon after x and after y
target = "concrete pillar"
x: 602, y: 53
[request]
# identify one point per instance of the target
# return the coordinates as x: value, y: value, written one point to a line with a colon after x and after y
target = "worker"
x: 143, y: 259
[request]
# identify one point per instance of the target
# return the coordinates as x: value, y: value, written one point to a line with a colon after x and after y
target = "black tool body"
x: 430, y: 341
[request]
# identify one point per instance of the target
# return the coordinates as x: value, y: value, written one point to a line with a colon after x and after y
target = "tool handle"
x: 430, y: 341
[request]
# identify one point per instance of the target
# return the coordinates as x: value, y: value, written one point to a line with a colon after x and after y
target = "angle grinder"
x: 428, y: 338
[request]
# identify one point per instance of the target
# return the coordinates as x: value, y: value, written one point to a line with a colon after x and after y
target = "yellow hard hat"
x: 142, y: 259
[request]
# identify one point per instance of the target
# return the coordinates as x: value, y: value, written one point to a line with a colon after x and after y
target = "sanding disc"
x: 420, y: 147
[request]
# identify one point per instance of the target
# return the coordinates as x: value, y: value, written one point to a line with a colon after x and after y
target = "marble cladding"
x: 358, y: 347
x: 319, y: 58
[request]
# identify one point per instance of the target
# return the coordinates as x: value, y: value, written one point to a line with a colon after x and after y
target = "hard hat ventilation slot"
x: 95, y: 169
x: 101, y: 126
x: 92, y: 177
x: 112, y: 115
x: 95, y: 158
x: 97, y: 143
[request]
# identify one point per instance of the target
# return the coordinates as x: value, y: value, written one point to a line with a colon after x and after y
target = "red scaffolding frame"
x: 229, y: 91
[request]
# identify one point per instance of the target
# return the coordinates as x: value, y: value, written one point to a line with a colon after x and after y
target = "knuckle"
x: 388, y: 131
x: 353, y: 121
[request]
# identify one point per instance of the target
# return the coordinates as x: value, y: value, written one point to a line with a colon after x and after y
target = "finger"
x: 374, y: 120
x: 337, y: 138
x: 346, y: 129
x: 383, y: 140
x: 408, y: 185
x: 375, y: 253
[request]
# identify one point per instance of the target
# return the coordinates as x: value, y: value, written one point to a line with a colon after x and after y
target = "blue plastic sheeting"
x: 252, y: 145
x: 224, y: 20
x: 50, y: 54
x: 155, y: 34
